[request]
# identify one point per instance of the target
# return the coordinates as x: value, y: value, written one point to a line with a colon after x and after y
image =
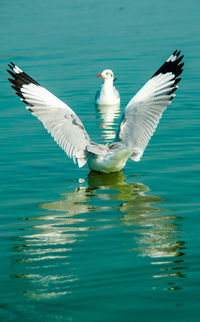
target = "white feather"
x: 138, y: 123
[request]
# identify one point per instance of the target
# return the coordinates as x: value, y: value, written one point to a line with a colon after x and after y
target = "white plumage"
x: 107, y: 94
x: 137, y: 125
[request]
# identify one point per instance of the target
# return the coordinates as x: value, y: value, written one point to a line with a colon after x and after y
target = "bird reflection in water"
x: 154, y: 229
x: 101, y: 202
x: 108, y: 117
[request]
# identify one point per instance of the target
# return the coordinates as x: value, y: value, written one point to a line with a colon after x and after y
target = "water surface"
x: 78, y: 245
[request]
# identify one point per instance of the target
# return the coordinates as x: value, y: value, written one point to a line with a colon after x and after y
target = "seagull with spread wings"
x: 138, y: 123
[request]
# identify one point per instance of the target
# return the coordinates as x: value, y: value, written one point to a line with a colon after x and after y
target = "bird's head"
x: 107, y: 74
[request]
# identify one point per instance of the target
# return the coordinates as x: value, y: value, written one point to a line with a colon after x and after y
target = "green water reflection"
x: 47, y: 249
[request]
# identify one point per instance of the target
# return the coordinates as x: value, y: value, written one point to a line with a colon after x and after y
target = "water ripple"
x: 128, y: 209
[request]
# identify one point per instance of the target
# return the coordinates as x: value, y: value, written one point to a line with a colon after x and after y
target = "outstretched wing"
x: 57, y: 117
x: 145, y: 109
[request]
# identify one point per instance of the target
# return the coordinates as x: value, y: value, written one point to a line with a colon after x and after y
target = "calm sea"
x: 81, y: 246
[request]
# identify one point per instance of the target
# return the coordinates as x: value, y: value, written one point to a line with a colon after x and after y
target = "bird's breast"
x: 108, y: 95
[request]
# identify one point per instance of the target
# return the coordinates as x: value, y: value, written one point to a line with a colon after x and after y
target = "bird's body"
x: 107, y: 94
x: 137, y: 125
x: 112, y: 159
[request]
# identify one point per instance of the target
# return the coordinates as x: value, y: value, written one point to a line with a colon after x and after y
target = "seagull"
x: 107, y: 95
x: 138, y: 123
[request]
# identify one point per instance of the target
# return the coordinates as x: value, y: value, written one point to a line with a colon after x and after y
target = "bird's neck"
x: 108, y: 84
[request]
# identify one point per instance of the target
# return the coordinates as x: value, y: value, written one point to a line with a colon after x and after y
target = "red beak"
x: 99, y: 75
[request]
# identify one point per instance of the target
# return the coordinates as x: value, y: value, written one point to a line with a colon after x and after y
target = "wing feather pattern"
x: 57, y: 117
x: 145, y: 109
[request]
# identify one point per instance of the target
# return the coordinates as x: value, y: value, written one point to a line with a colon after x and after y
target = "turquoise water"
x: 81, y: 246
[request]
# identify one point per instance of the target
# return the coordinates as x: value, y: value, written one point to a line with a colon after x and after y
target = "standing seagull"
x: 138, y: 123
x: 107, y: 95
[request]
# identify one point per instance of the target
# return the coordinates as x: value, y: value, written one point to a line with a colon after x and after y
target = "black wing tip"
x: 177, y: 80
x: 11, y: 73
x: 172, y: 65
x: 11, y: 65
x: 176, y: 53
x: 18, y: 80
